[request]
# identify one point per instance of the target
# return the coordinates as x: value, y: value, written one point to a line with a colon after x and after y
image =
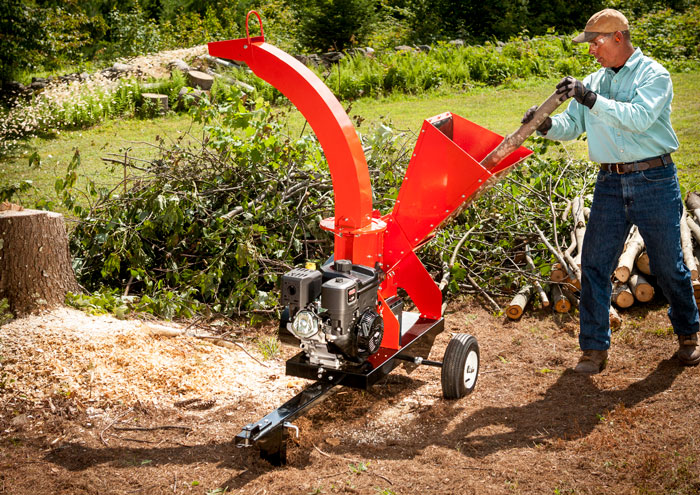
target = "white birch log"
x: 633, y: 247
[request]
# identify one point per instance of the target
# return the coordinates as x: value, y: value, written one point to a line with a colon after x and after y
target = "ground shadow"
x: 570, y: 409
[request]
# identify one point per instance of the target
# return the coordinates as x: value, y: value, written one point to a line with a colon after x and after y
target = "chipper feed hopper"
x: 347, y: 317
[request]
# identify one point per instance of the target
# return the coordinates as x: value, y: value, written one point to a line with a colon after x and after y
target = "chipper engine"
x: 348, y: 315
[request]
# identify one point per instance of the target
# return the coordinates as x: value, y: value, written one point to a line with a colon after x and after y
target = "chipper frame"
x: 348, y: 316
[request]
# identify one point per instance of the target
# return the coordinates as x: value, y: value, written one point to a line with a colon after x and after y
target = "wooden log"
x: 642, y: 290
x: 513, y: 141
x: 201, y: 80
x: 35, y: 264
x: 517, y: 305
x: 577, y: 212
x: 622, y: 295
x: 642, y: 263
x: 692, y: 201
x: 615, y: 320
x: 633, y: 247
x: 560, y: 301
x: 160, y: 101
x: 694, y: 228
x: 687, y: 247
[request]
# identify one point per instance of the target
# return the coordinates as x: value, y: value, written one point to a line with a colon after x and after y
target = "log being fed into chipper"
x: 347, y: 317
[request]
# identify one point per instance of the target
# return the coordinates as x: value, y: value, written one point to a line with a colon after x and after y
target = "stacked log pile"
x: 632, y: 280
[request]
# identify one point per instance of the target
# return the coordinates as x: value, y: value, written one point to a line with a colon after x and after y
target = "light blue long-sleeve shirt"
x: 631, y: 118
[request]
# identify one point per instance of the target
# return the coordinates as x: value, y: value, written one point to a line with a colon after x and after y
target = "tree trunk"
x: 517, y: 305
x: 687, y: 247
x: 513, y: 141
x: 577, y: 212
x: 643, y: 291
x: 692, y: 201
x: 615, y: 320
x: 633, y: 247
x: 622, y: 296
x: 643, y: 263
x: 561, y: 302
x: 35, y: 264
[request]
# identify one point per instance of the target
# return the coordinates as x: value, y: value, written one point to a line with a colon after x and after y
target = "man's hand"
x: 572, y: 87
x: 544, y: 126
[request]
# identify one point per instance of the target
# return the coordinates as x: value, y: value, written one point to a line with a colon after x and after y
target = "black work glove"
x: 570, y: 86
x: 544, y: 126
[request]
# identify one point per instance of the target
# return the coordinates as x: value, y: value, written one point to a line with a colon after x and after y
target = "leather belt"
x: 625, y: 168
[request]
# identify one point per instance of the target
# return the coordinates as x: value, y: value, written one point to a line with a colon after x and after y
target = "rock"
x: 424, y: 48
x: 458, y: 43
x: 37, y: 85
x: 403, y: 48
x: 179, y: 64
x: 357, y: 51
x: 370, y: 51
x: 332, y: 57
x: 119, y: 67
x: 157, y: 99
x: 200, y: 80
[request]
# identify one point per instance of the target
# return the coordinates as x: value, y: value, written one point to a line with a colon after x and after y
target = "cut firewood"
x: 687, y: 247
x: 517, y: 305
x: 560, y: 301
x: 694, y: 228
x: 633, y: 247
x: 577, y: 211
x: 615, y: 320
x: 622, y: 295
x: 642, y: 263
x: 692, y: 200
x: 643, y: 291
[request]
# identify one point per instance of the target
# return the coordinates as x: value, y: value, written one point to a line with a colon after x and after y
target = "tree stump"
x: 201, y: 80
x: 159, y: 101
x: 35, y: 264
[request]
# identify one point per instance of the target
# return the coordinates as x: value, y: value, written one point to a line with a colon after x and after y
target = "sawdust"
x: 105, y: 360
x: 156, y: 64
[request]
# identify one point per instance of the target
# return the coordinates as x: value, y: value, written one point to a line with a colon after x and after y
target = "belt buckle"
x: 615, y: 167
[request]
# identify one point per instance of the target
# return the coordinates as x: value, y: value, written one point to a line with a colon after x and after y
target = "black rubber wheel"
x: 460, y: 366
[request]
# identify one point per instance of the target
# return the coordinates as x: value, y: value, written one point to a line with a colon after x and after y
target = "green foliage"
x: 448, y: 66
x: 269, y: 347
x: 5, y: 315
x: 216, y: 224
x: 670, y: 36
x: 20, y: 32
x: 334, y: 24
x: 501, y: 223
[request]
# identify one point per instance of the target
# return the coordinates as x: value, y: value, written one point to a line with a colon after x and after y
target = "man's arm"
x: 645, y: 107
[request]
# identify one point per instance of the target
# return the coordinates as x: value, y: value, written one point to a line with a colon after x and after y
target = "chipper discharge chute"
x: 347, y: 317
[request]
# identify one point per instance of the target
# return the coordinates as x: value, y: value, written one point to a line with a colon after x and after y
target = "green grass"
x: 498, y: 109
x: 111, y: 139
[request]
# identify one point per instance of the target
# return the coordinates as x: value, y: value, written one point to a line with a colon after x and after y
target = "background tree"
x: 334, y: 24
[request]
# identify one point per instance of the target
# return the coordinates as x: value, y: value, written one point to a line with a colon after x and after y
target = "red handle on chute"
x: 247, y: 32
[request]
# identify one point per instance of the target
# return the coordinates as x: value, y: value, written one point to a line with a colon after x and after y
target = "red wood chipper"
x: 347, y: 317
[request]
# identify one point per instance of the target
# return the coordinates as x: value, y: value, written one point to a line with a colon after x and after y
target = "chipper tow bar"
x: 347, y: 317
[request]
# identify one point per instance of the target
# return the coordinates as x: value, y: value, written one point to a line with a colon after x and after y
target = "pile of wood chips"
x: 103, y: 360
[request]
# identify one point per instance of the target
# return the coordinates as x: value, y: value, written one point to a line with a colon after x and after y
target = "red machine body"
x: 444, y: 175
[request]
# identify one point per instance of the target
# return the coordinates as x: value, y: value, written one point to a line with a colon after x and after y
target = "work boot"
x: 689, y: 349
x: 592, y: 362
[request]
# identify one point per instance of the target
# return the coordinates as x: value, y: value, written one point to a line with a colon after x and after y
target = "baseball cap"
x: 603, y: 22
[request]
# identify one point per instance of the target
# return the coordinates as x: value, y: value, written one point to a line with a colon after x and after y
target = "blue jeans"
x: 651, y: 200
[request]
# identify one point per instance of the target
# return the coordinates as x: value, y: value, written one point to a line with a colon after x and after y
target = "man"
x: 625, y: 108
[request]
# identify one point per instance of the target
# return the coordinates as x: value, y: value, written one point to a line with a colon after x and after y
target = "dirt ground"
x: 95, y: 405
